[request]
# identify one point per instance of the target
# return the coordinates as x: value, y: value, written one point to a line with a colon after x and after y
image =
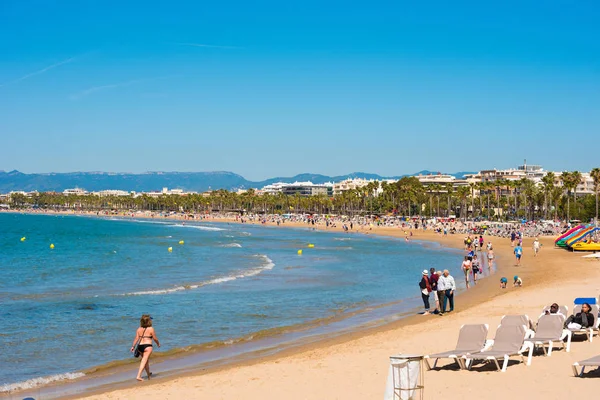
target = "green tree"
x: 595, y: 174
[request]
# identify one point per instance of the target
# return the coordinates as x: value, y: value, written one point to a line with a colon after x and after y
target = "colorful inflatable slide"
x: 569, y: 232
x: 562, y: 240
x: 580, y: 237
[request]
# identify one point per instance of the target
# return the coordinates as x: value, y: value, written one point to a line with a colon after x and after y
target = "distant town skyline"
x: 290, y: 175
x: 279, y: 89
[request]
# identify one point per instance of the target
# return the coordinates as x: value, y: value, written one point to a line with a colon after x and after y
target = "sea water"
x: 66, y: 309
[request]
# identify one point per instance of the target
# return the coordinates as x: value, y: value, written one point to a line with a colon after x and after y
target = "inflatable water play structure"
x: 586, y: 246
x: 569, y: 232
x: 562, y: 240
x: 581, y: 235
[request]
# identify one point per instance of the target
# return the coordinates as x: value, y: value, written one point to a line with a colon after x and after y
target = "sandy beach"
x: 355, y: 366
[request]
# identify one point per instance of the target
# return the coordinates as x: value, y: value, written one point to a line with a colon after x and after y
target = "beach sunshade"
x: 550, y: 330
x: 589, y: 300
x: 590, y: 362
x: 471, y: 338
x: 516, y: 320
x: 509, y: 341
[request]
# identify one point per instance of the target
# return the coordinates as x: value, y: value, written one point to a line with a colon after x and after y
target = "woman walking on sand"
x: 143, y: 341
x: 466, y: 267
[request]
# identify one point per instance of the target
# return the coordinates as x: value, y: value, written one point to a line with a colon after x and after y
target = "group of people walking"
x: 443, y: 287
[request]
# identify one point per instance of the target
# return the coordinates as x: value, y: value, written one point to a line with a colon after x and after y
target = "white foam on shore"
x: 231, y: 245
x: 267, y: 264
x: 35, y: 382
x: 200, y: 227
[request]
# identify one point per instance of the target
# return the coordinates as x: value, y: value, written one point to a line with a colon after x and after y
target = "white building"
x: 356, y: 183
x: 302, y: 188
x: 75, y: 191
x: 586, y: 185
x: 165, y: 191
x: 112, y: 192
x: 274, y: 188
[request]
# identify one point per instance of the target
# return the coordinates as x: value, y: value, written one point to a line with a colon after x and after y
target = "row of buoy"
x: 310, y: 246
x: 24, y: 239
x: 170, y: 249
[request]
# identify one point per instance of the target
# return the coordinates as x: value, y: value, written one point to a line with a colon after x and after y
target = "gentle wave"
x: 35, y: 382
x: 231, y: 245
x: 200, y: 227
x: 267, y: 265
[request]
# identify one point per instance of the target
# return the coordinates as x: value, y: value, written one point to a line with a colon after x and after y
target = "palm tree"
x: 463, y: 193
x: 449, y: 189
x: 499, y: 183
x: 472, y: 186
x: 595, y: 174
x: 576, y: 176
x: 567, y: 181
x: 547, y: 185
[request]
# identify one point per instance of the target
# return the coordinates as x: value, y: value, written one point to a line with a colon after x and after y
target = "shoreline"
x: 350, y: 332
x: 465, y: 300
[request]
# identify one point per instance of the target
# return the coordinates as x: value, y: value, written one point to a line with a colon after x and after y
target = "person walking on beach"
x: 447, y: 284
x: 536, y: 247
x: 433, y: 279
x: 441, y: 293
x: 466, y: 267
x: 518, y: 253
x: 490, y: 257
x: 143, y: 341
x: 425, y: 290
x: 475, y: 268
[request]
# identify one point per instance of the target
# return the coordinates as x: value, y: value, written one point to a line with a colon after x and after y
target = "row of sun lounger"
x: 516, y: 337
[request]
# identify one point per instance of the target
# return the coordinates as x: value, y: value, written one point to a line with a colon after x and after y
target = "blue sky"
x: 268, y: 89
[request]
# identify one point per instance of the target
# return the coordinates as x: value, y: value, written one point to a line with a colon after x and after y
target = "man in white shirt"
x: 447, y: 284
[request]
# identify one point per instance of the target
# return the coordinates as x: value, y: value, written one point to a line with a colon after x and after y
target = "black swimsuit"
x: 142, y: 347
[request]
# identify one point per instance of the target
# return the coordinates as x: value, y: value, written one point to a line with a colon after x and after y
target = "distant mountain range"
x: 155, y: 181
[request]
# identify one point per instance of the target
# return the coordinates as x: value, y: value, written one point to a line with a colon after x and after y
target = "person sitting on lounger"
x: 583, y: 319
x: 553, y: 309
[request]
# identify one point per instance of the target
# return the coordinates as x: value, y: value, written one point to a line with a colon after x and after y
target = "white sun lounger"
x: 471, y: 338
x: 550, y: 330
x: 590, y: 331
x: 509, y: 341
x: 590, y: 362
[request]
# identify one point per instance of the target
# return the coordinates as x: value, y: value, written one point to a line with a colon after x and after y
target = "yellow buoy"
x: 23, y: 239
x: 170, y: 249
x: 181, y: 242
x: 310, y: 245
x: 51, y: 245
x: 299, y: 252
